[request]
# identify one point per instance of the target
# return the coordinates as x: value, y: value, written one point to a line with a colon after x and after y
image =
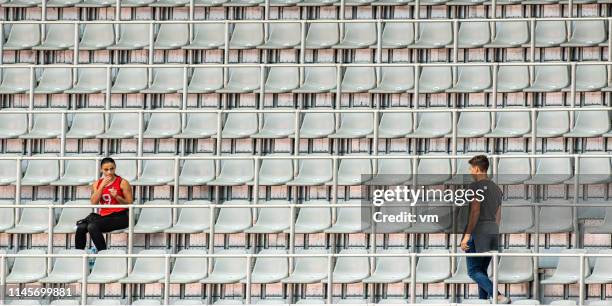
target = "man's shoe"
x: 503, y: 300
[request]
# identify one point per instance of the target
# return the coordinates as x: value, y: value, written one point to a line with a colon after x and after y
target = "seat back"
x: 56, y: 78
x: 362, y: 78
x: 323, y: 34
x: 42, y: 169
x: 315, y: 168
x: 110, y: 265
x: 24, y: 35
x: 68, y: 265
x: 29, y: 265
x: 194, y: 215
x: 168, y: 123
x: 276, y: 169
x: 435, y: 78
x: 204, y: 168
x: 126, y: 168
x: 237, y: 169
x: 229, y: 215
x: 320, y: 77
x: 206, y: 78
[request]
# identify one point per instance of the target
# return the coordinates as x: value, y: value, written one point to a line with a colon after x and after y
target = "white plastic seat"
x: 354, y: 124
x: 274, y: 172
x: 269, y: 270
x: 594, y: 170
x: 313, y: 172
x: 94, y: 301
x: 432, y: 124
x: 205, y: 80
x: 41, y: 172
x: 207, y: 36
x: 28, y: 269
x: 307, y: 270
x: 156, y: 172
x: 126, y: 168
x: 349, y: 220
x: 165, y: 80
x: 390, y: 269
x: 318, y: 80
x: 66, y: 223
x: 509, y: 34
x: 394, y: 125
x: 188, y: 270
x: 433, y: 35
x: 172, y: 36
x: 95, y: 3
x: 199, y: 125
x: 357, y: 35
x: 358, y: 79
x: 54, y: 80
x: 515, y: 270
x: 395, y: 80
x: 526, y: 302
x: 317, y: 125
x: 132, y: 36
x: 228, y: 270
x: 322, y: 35
x: 549, y: 33
x: 196, y: 172
x: 472, y: 124
x: 554, y: 219
x: 511, y: 124
x: 58, y: 37
x: 601, y: 271
x: 108, y: 269
x: 282, y: 79
x: 353, y: 172
x: 473, y: 34
x: 146, y: 270
x: 7, y: 216
x: 472, y: 79
x: 590, y: 123
x: 86, y: 125
x: 66, y: 269
x: 276, y: 125
x: 8, y: 170
x: 605, y: 227
x: 77, y: 173
x: 152, y: 219
x: 242, y: 80
x: 513, y: 170
x: 551, y: 124
x: 432, y: 171
x: 397, y: 35
x: 549, y: 171
x: 432, y: 269
x: 282, y: 36
x: 460, y: 276
x: 163, y: 125
x: 89, y: 81
x: 191, y: 220
x: 130, y: 80
x: 590, y: 78
x: 567, y: 269
x: 549, y: 79
x: 122, y: 125
x: 392, y: 171
x: 33, y: 220
x: 512, y: 79
x: 442, y: 225
x: 23, y: 37
x: 149, y: 302
x: 231, y: 220
x: 586, y: 33
x: 97, y: 37
x: 348, y: 269
x: 169, y: 3
x: 247, y: 36
x: 44, y: 126
x: 13, y: 125
x: 271, y: 219
x: 234, y: 172
x: 312, y: 219
x: 435, y: 79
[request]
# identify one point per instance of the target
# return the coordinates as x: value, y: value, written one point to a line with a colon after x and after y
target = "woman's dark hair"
x: 107, y: 160
x: 480, y: 161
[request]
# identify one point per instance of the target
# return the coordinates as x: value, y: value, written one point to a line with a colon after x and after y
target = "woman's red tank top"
x: 106, y: 196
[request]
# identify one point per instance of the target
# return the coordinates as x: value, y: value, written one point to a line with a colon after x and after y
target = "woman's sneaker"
x: 91, y: 260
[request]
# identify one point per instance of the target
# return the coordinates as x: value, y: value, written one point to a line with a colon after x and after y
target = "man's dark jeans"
x: 477, y: 270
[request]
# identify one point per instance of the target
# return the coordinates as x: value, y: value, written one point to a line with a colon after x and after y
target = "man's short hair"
x: 480, y: 161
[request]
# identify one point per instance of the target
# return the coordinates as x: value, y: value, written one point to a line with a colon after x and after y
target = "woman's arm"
x: 127, y: 193
x: 96, y: 191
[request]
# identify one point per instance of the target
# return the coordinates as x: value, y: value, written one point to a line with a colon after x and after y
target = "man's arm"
x: 474, y: 214
x: 498, y: 215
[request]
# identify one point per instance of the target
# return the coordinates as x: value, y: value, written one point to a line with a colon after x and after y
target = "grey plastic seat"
x: 549, y: 171
x: 122, y: 125
x: 515, y: 270
x: 21, y: 3
x: 473, y: 34
x: 13, y: 125
x: 156, y: 172
x: 435, y: 79
x: 207, y: 36
x: 512, y: 78
x: 554, y: 219
x: 243, y: 3
x: 149, y: 302
x: 312, y: 219
x: 94, y: 301
x: 460, y: 276
x: 549, y: 34
x: 58, y: 37
x: 54, y: 80
x: 353, y: 171
x: 317, y: 125
x: 247, y: 36
x: 234, y: 172
x: 172, y: 36
x: 41, y: 172
x: 322, y: 36
x: 66, y: 223
x: 358, y: 79
x: 185, y: 302
x: 231, y: 220
x: 268, y: 270
x: 64, y: 302
x: 349, y: 220
x: 604, y: 228
x: 33, y: 220
x: 22, y: 37
x: 108, y: 269
x: 397, y: 35
x: 472, y: 79
x: 509, y: 34
x: 472, y: 124
x: 227, y: 270
x: 394, y: 125
x: 551, y: 124
x: 318, y: 80
x: 526, y: 302
x: 153, y: 219
x: 96, y: 3
x: 271, y: 219
x: 15, y: 80
x: 432, y: 125
x: 188, y: 270
x: 28, y: 269
x: 89, y: 81
x: 392, y: 171
x: 442, y: 225
x: 351, y: 269
x: 313, y: 172
x: 432, y: 269
x: 432, y: 171
x: 513, y: 170
x: 132, y: 37
x: 126, y: 168
x: 62, y: 3
x: 392, y: 301
x: 165, y: 80
x: 163, y: 125
x: 274, y: 172
x: 169, y: 3
x: 239, y: 125
x: 594, y: 170
x: 395, y: 80
x: 7, y: 216
x: 191, y: 220
x: 564, y: 302
x: 357, y: 35
x: 601, y: 271
x: 135, y: 3
x: 146, y: 270
x: 354, y: 124
x: 511, y: 124
x: 390, y: 269
x: 205, y: 80
x: 86, y: 125
x: 77, y: 173
x: 130, y: 80
x: 282, y: 36
x: 586, y: 33
x: 276, y: 125
x: 199, y: 125
x: 242, y: 80
x: 196, y: 172
x: 590, y: 78
x: 282, y: 79
x: 567, y: 269
x: 433, y: 35
x: 8, y: 170
x: 589, y: 124
x: 549, y: 79
x: 307, y: 270
x: 66, y: 269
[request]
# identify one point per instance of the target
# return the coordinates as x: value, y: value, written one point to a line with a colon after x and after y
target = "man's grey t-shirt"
x: 485, y: 233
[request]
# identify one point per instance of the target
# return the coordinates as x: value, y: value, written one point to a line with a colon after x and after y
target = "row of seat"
x: 310, y: 172
x: 391, y: 79
x: 471, y: 34
x: 313, y: 125
x: 516, y: 219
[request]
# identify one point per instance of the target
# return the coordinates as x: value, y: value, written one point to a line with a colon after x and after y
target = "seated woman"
x: 108, y: 190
